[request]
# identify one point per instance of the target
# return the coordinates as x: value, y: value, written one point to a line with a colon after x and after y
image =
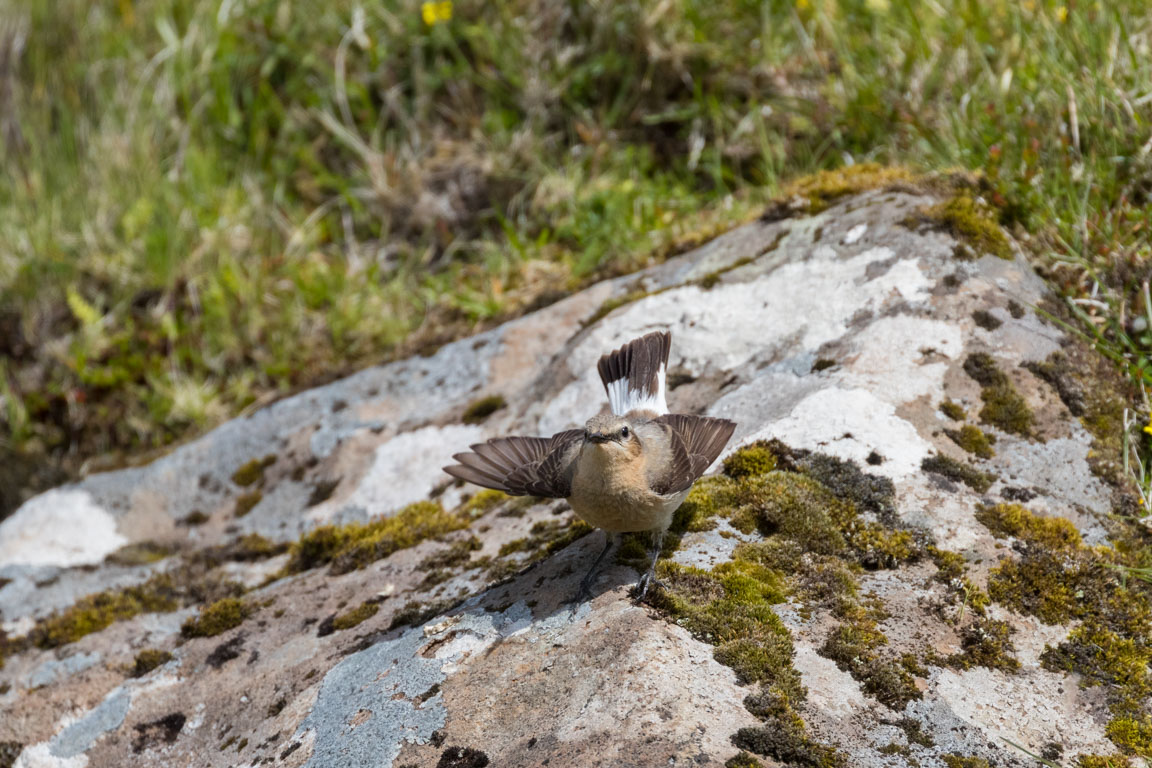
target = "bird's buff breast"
x: 615, y: 496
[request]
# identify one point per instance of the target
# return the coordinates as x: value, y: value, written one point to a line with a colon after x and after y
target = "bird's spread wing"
x: 695, y: 442
x: 522, y: 466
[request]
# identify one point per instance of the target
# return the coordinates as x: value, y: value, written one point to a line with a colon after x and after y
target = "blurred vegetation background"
x: 208, y: 203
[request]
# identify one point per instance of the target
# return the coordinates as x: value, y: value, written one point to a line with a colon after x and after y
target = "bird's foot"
x: 647, y: 581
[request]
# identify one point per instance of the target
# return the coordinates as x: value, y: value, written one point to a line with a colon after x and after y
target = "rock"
x: 863, y: 631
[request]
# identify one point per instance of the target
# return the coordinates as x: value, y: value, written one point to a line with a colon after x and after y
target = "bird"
x: 626, y: 471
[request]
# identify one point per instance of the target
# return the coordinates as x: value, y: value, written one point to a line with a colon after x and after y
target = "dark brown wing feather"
x: 521, y: 466
x: 696, y: 442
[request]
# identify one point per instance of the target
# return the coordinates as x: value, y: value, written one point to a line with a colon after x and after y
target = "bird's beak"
x: 597, y: 437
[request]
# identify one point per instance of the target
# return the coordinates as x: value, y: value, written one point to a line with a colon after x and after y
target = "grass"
x: 205, y: 205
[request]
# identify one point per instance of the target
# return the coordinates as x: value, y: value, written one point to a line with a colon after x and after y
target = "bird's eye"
x: 624, y: 432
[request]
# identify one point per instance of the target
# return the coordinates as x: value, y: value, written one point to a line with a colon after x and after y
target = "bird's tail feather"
x: 635, y: 375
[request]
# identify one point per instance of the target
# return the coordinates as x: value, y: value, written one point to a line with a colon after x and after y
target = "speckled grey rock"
x: 506, y: 668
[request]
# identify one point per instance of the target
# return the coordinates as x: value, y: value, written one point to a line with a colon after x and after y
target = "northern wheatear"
x: 624, y: 471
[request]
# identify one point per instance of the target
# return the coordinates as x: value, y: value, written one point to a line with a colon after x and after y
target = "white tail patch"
x: 622, y: 399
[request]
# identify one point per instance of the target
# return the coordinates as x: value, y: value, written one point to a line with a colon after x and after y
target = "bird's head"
x: 611, y: 433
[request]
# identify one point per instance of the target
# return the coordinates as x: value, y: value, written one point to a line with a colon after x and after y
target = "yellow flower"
x: 1062, y: 14
x: 1148, y: 428
x: 436, y: 11
x: 802, y: 5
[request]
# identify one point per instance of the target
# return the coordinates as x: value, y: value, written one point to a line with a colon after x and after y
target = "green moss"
x: 1006, y: 409
x: 879, y: 547
x: 986, y: 643
x: 849, y: 483
x: 973, y: 440
x: 1014, y: 520
x: 784, y: 737
x: 816, y: 192
x: 959, y: 761
x: 516, y: 545
x: 953, y: 410
x: 482, y: 501
x: 352, y: 546
x: 455, y: 556
x: 751, y: 460
x: 478, y: 411
x: 950, y: 565
x: 789, y: 505
x: 1101, y: 761
x: 959, y: 471
x: 576, y: 530
x: 986, y: 320
x: 95, y: 612
x: 743, y: 760
x: 216, y: 618
x: 971, y: 222
x: 252, y: 472
x: 148, y: 659
x: 758, y: 659
x: 1038, y: 584
x: 140, y: 553
x: 246, y: 501
x: 914, y: 732
x: 1104, y: 657
x: 854, y: 647
x: 1003, y: 405
x: 1132, y: 734
x: 360, y: 613
x: 1093, y: 391
x: 194, y: 518
x: 1112, y: 646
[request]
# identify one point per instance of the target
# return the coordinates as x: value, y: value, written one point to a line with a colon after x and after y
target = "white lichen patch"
x: 831, y: 692
x: 61, y: 528
x: 902, y: 358
x: 1030, y: 709
x: 850, y: 424
x: 405, y: 469
x: 40, y: 756
x: 794, y: 309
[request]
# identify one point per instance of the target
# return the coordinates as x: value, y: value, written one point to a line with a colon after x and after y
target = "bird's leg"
x: 649, y: 578
x: 610, y: 540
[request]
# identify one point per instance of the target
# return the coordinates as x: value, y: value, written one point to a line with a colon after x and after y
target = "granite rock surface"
x: 839, y: 333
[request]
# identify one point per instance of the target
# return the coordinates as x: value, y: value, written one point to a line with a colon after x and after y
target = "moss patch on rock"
x: 350, y: 547
x: 1004, y: 407
x: 948, y: 467
x: 754, y: 459
x: 478, y: 411
x: 817, y: 192
x: 986, y: 643
x: 961, y: 761
x: 1094, y: 392
x: 98, y: 611
x: 217, y: 618
x: 1058, y: 579
x: 252, y: 472
x: 245, y: 502
x: 148, y: 659
x: 357, y: 615
x: 973, y: 439
x: 855, y: 646
x: 953, y: 410
x: 812, y: 512
x: 1014, y: 520
x: 971, y: 222
x: 482, y: 501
